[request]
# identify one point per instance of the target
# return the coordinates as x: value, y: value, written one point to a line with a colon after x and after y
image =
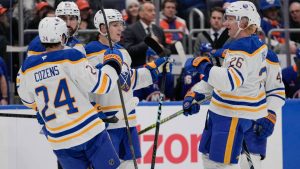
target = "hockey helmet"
x: 244, y: 9
x: 112, y: 15
x: 68, y: 8
x: 51, y: 30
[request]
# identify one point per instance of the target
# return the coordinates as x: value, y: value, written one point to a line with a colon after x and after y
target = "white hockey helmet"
x: 241, y: 9
x: 68, y: 8
x: 51, y: 30
x: 111, y: 16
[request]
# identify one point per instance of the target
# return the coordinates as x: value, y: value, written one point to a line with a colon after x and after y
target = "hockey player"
x: 130, y: 79
x: 57, y: 84
x: 256, y: 137
x: 239, y: 93
x: 69, y: 12
x: 188, y: 79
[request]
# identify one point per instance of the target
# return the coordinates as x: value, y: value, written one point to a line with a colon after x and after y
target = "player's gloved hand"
x: 264, y: 127
x: 201, y: 65
x: 114, y: 58
x: 154, y: 65
x: 219, y: 53
x: 40, y: 119
x: 190, y: 105
x: 167, y: 66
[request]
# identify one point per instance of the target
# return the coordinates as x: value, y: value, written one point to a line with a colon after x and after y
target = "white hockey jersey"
x: 57, y: 85
x: 130, y: 79
x: 239, y: 89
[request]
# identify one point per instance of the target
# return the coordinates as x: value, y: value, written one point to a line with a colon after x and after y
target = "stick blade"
x: 154, y: 45
x: 180, y: 50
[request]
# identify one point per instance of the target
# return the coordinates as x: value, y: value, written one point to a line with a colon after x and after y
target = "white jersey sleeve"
x: 274, y: 85
x: 26, y: 97
x: 232, y: 75
x: 203, y: 88
x: 141, y: 78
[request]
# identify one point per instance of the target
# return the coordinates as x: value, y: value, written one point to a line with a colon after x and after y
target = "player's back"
x: 70, y: 118
x: 246, y: 63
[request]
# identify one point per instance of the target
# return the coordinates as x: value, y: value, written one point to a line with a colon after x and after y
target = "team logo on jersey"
x: 44, y: 57
x: 125, y: 78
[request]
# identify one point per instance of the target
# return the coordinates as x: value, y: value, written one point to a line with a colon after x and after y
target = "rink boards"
x: 22, y: 146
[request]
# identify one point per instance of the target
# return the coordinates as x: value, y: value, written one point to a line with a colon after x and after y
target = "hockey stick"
x: 160, y: 51
x: 153, y: 44
x: 120, y: 93
x: 180, y: 50
x: 113, y: 119
x: 246, y: 151
x: 150, y: 127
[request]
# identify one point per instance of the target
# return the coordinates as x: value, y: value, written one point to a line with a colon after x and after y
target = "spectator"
x: 6, y: 27
x: 271, y: 19
x: 291, y: 78
x: 169, y: 20
x: 86, y: 19
x: 132, y: 11
x: 135, y: 34
x: 217, y: 34
x: 42, y: 10
x: 295, y: 20
x: 4, y: 22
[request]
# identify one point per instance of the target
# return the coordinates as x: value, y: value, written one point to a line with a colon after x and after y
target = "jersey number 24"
x: 62, y: 89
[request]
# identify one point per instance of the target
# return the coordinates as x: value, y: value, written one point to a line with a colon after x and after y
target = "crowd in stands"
x: 139, y: 16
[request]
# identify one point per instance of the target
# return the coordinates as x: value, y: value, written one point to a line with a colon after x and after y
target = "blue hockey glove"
x: 154, y: 65
x: 114, y: 58
x: 190, y: 105
x: 40, y: 119
x: 219, y: 53
x: 264, y: 127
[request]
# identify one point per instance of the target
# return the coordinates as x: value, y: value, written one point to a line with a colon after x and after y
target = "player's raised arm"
x: 104, y: 79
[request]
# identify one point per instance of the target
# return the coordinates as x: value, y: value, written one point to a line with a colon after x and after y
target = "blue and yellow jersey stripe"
x: 278, y: 92
x: 239, y: 103
x: 235, y: 77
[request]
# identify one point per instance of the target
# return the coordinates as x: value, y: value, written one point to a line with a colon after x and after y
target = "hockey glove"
x: 114, y: 58
x: 190, y: 105
x: 154, y: 65
x: 219, y: 53
x: 264, y: 127
x: 40, y: 119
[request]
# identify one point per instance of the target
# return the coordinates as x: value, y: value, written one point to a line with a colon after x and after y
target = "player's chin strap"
x: 239, y: 30
x: 106, y: 36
